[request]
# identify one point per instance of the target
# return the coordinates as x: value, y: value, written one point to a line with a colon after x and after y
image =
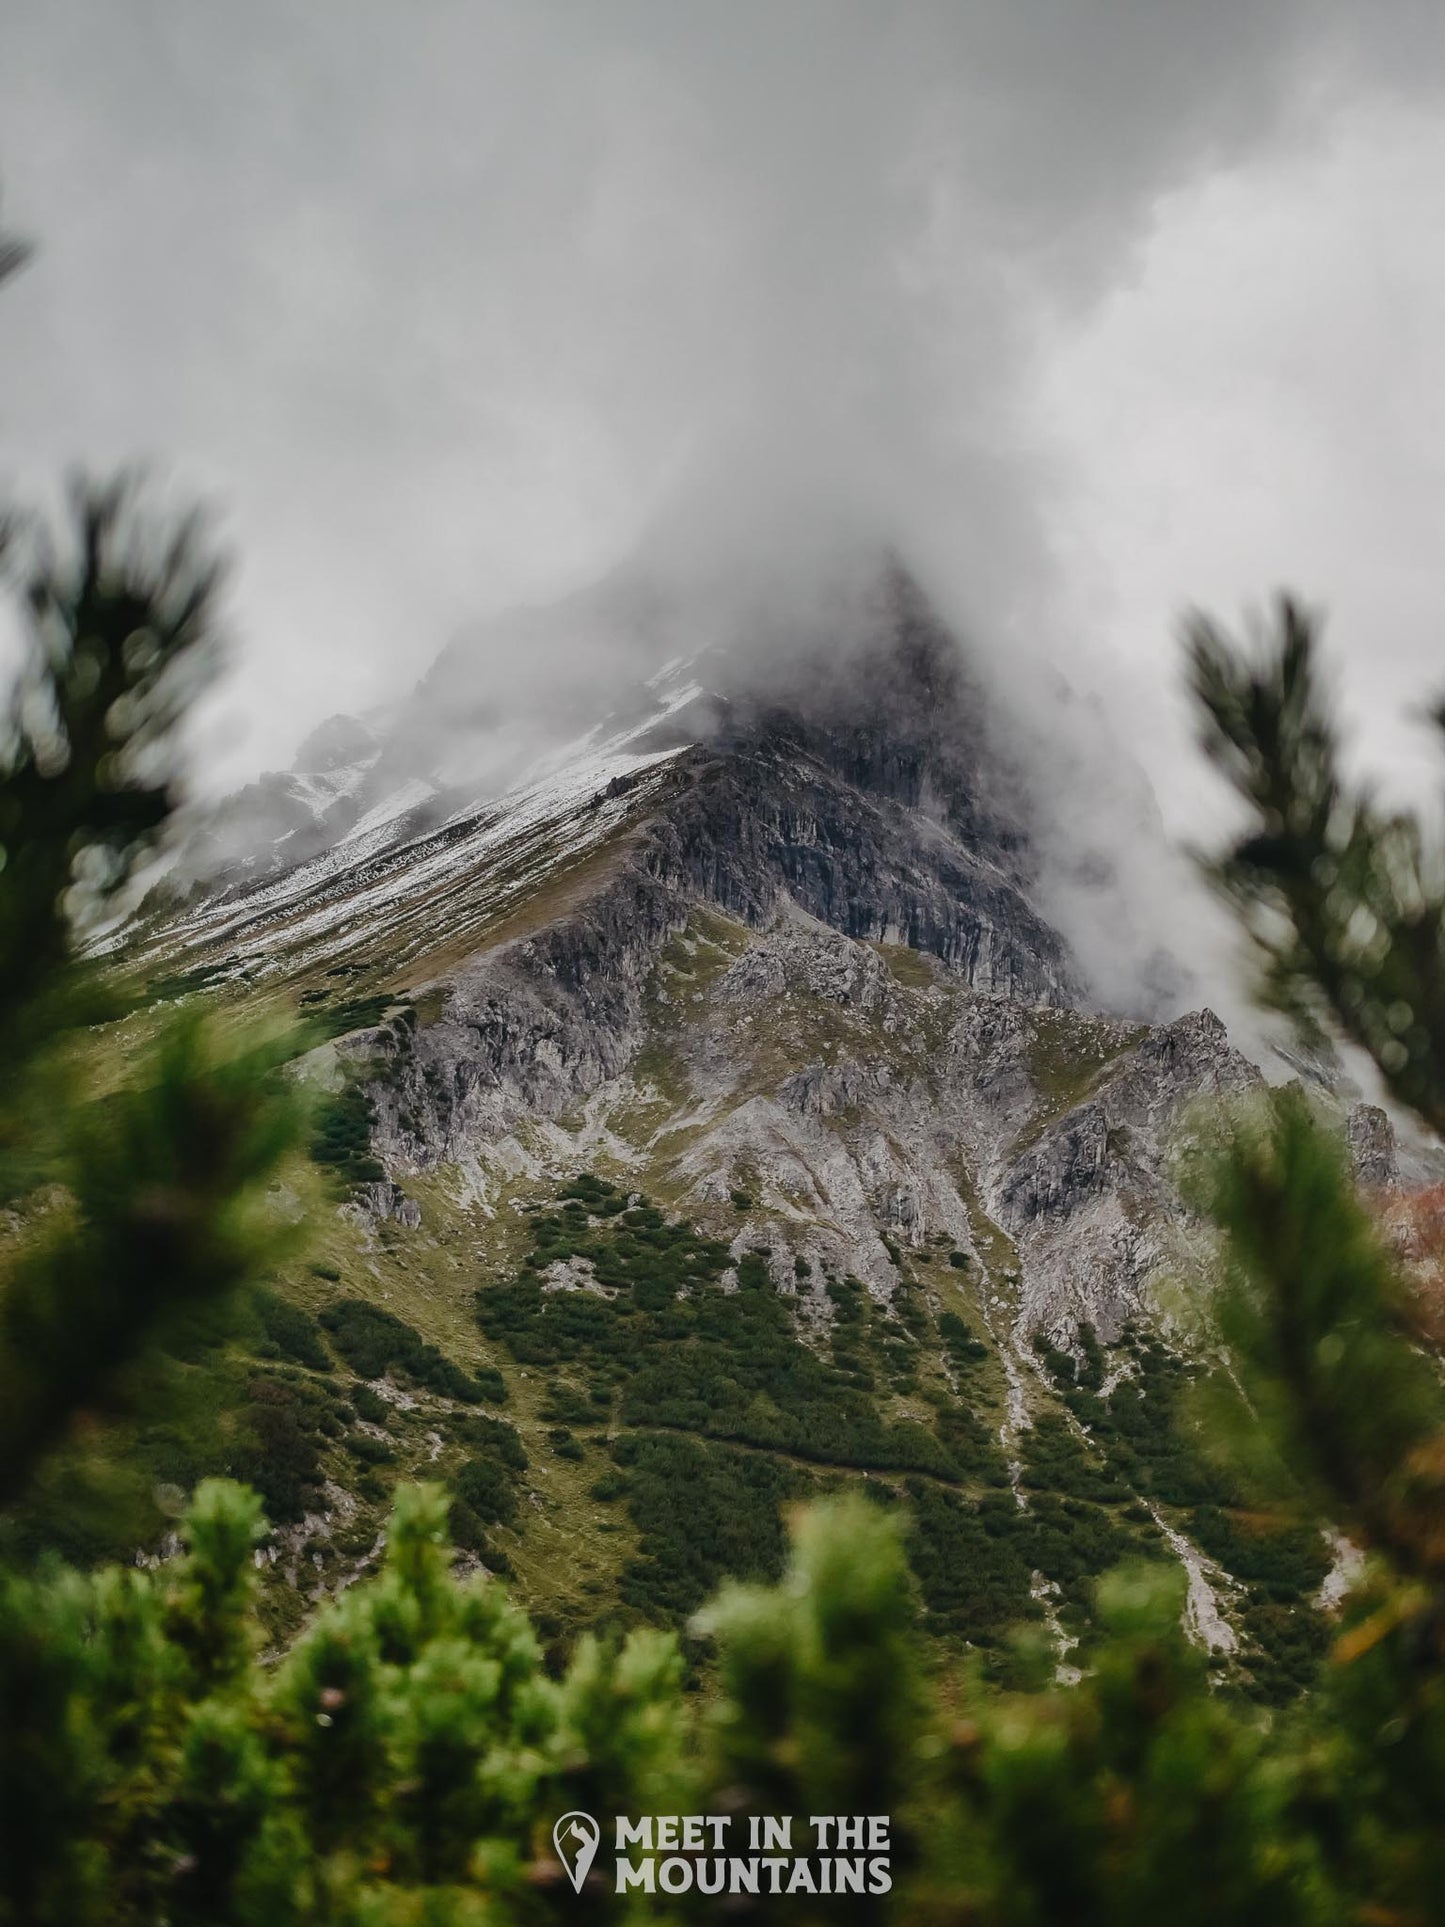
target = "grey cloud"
x: 455, y: 305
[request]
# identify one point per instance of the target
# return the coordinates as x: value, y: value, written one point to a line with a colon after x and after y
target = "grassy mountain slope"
x: 766, y: 1261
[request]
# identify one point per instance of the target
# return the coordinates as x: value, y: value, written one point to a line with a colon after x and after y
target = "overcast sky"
x: 1102, y: 307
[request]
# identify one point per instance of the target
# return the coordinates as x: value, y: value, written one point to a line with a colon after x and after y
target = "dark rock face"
x: 830, y: 1090
x: 1069, y: 1165
x: 873, y: 805
x: 1373, y: 1151
x: 386, y: 1200
x: 759, y: 824
x: 549, y: 1019
x: 1177, y: 1065
x: 1114, y: 1142
x: 1091, y: 1202
x: 876, y: 799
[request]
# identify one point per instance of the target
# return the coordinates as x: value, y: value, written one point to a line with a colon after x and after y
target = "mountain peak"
x: 751, y: 967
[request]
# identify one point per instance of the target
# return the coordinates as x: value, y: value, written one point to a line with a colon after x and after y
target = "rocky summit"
x: 707, y: 1115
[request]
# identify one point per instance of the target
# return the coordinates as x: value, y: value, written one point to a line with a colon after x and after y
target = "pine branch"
x: 1344, y: 904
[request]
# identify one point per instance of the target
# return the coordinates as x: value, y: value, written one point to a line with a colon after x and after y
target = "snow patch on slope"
x: 381, y: 878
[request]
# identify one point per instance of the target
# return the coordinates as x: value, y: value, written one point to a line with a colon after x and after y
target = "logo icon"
x: 576, y: 1837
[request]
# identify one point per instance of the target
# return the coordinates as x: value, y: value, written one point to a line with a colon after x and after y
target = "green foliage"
x: 288, y: 1331
x: 724, y: 1364
x: 157, y: 1190
x: 1091, y: 1372
x: 352, y: 1013
x: 276, y: 1448
x: 1059, y: 1365
x: 1142, y: 1429
x: 1316, y: 1310
x: 484, y: 1485
x: 1145, y: 1438
x: 1138, y: 1798
x: 174, y: 985
x: 697, y: 1367
x: 410, y: 1740
x: 368, y: 1405
x: 703, y: 1513
x: 166, y: 1220
x: 1344, y: 903
x: 341, y: 1138
x: 820, y: 1677
x: 490, y: 1384
x: 118, y: 624
x: 373, y: 1341
x: 1055, y: 1459
x: 495, y: 1437
x: 972, y: 1559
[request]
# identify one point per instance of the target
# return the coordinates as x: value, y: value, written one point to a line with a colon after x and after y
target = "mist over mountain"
x: 811, y: 637
x: 451, y: 312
